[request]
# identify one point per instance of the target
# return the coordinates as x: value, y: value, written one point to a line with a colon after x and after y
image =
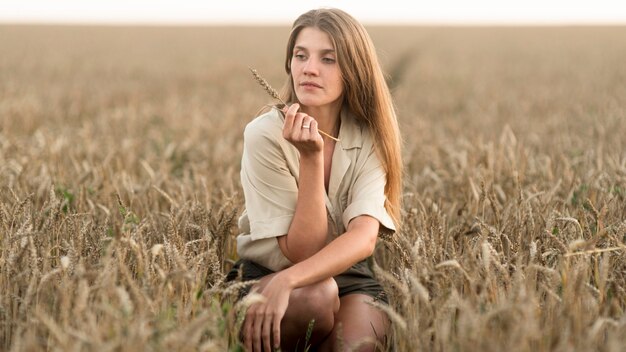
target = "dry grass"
x: 119, y: 191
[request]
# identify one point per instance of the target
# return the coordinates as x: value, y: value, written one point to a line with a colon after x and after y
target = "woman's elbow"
x: 365, y: 231
x: 370, y: 244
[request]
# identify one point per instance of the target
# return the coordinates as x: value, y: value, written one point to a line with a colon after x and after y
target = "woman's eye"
x: 299, y: 56
x: 328, y: 60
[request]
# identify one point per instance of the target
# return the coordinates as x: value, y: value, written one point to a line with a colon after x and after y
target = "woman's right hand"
x: 300, y: 130
x: 261, y: 327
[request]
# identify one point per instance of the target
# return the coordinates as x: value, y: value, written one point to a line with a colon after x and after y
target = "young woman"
x: 315, y: 206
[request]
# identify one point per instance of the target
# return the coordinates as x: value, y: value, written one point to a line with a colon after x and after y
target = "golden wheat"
x: 119, y: 187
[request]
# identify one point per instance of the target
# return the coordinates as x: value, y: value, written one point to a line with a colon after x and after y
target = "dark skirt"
x: 358, y: 279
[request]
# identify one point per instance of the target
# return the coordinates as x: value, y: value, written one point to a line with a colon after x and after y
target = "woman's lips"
x: 310, y: 85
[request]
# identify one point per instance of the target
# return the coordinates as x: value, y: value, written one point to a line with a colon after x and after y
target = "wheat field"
x: 119, y: 185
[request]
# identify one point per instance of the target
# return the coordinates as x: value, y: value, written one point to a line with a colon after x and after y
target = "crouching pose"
x: 314, y: 205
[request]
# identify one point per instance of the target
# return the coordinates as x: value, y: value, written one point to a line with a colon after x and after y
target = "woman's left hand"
x: 261, y: 330
x: 300, y: 130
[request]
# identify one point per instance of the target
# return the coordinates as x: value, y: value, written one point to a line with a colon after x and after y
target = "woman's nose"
x: 311, y: 67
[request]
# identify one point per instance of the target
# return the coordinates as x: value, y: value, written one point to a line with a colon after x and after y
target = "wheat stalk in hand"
x: 274, y: 94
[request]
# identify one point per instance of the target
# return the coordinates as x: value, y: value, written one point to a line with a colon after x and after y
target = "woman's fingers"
x: 247, y: 329
x: 290, y: 116
x: 267, y: 328
x: 260, y: 330
x: 309, y: 127
x: 276, y: 331
x: 305, y: 127
x: 302, y: 127
x: 256, y: 338
x: 301, y: 130
x: 295, y: 122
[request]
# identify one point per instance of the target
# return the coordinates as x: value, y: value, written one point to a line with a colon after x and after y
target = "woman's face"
x: 314, y: 69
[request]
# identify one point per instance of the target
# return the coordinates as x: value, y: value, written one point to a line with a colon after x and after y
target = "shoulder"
x: 268, y: 123
x: 266, y: 127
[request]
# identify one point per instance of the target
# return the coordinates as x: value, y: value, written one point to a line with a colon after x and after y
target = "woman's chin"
x: 311, y: 102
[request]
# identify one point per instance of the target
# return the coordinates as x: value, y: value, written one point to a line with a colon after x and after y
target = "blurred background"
x: 248, y: 12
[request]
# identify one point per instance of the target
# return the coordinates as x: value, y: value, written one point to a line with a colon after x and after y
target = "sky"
x: 183, y: 12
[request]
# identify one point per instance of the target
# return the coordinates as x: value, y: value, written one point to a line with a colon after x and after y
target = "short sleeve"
x: 368, y: 194
x: 270, y: 188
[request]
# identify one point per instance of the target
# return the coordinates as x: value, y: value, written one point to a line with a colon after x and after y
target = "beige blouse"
x: 269, y: 178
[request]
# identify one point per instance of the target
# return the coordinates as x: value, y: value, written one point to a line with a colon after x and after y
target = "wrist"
x: 286, y: 279
x: 312, y: 156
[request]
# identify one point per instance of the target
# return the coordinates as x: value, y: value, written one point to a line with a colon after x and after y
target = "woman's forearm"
x: 353, y: 246
x: 309, y: 227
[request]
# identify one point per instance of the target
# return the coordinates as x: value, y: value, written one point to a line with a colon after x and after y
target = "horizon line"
x: 390, y: 23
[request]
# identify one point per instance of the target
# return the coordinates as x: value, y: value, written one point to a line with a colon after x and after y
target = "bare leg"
x: 319, y: 301
x: 358, y: 326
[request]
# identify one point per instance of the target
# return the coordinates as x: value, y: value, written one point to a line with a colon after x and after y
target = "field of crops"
x: 119, y: 185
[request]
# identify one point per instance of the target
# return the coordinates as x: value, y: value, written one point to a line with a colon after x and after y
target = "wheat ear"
x: 274, y: 94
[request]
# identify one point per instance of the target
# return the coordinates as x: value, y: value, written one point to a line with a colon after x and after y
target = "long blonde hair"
x: 365, y: 90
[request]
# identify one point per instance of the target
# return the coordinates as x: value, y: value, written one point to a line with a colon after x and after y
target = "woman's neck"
x: 327, y: 117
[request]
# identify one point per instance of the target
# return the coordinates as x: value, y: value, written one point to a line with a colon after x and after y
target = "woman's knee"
x: 319, y: 301
x: 315, y: 302
x: 320, y: 297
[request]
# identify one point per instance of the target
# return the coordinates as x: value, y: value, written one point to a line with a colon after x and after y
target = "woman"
x: 315, y: 206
